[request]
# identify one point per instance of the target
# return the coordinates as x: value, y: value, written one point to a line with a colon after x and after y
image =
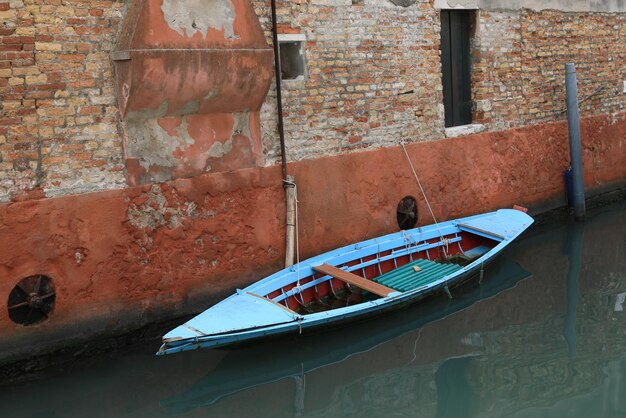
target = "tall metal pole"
x: 279, y: 99
x: 573, y: 120
x: 288, y: 181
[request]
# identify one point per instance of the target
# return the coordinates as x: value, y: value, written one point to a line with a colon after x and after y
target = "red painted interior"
x: 296, y: 302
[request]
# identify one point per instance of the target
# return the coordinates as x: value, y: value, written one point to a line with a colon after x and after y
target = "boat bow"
x: 240, y: 312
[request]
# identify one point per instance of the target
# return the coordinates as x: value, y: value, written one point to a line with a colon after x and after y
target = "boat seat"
x: 476, y: 252
x: 406, y: 278
x: 353, y: 279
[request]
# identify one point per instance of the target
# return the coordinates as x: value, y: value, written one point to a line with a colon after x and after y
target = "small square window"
x: 292, y: 62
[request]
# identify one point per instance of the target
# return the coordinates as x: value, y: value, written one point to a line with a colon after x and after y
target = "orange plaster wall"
x: 124, y: 258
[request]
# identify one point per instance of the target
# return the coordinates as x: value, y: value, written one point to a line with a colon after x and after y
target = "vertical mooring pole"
x: 290, y: 189
x: 576, y: 159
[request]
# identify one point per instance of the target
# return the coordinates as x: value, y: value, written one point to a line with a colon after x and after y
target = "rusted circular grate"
x: 407, y: 212
x: 32, y: 300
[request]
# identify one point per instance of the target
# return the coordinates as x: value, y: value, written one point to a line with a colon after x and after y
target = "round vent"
x: 407, y: 212
x: 32, y: 300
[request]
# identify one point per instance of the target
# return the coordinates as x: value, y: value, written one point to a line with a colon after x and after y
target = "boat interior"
x: 361, y: 275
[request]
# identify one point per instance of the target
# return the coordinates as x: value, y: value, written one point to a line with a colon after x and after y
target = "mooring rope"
x: 419, y: 183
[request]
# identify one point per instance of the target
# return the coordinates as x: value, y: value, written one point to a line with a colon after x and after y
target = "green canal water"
x: 543, y: 336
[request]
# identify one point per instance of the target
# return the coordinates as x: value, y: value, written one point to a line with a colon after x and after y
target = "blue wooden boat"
x: 354, y: 282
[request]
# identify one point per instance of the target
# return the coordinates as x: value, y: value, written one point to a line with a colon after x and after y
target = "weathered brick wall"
x: 497, y: 85
x: 361, y: 56
x: 360, y: 59
x: 519, y: 74
x: 58, y: 126
x: 58, y: 129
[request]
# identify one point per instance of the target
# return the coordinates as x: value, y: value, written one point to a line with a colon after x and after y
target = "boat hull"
x: 274, y: 292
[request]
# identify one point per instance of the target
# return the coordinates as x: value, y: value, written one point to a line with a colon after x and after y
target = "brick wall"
x: 360, y: 59
x: 374, y: 79
x: 362, y: 56
x: 520, y: 56
x: 58, y: 129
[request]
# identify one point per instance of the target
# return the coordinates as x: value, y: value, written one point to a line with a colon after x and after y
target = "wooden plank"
x: 271, y: 301
x: 471, y: 228
x: 353, y: 279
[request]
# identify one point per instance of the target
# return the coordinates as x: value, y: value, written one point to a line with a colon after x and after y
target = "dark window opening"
x: 292, y: 66
x: 406, y: 213
x: 456, y: 33
x: 32, y: 300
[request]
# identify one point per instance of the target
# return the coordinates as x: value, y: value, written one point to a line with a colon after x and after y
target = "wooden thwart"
x: 480, y: 230
x: 353, y: 279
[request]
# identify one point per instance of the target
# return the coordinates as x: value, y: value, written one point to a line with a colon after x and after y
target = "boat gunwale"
x: 417, y: 236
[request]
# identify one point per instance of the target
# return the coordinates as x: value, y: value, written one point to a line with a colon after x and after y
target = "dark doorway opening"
x: 456, y: 32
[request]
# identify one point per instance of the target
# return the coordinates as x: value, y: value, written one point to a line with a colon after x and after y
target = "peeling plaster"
x: 210, y: 95
x: 150, y: 143
x: 218, y: 150
x: 191, y: 16
x: 242, y: 124
x: 240, y: 127
x: 155, y: 213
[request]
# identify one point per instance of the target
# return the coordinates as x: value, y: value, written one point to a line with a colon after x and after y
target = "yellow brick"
x: 12, y: 104
x: 7, y: 14
x: 60, y: 94
x: 5, y: 73
x: 36, y: 79
x: 27, y: 31
x: 65, y: 11
x: 46, y: 131
x: 77, y: 101
x: 20, y: 71
x: 48, y: 46
x: 16, y: 81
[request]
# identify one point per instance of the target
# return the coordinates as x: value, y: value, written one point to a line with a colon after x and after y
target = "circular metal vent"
x: 32, y: 300
x: 407, y: 212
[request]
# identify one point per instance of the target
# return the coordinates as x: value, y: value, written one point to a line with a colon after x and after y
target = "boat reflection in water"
x: 241, y: 370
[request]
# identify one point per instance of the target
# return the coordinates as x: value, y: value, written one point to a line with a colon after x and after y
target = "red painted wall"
x: 124, y: 258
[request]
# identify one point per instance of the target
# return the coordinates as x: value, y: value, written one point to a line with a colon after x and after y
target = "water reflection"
x: 549, y: 345
x: 573, y: 250
x: 241, y: 370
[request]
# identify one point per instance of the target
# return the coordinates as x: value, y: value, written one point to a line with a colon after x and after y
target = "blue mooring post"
x: 573, y: 119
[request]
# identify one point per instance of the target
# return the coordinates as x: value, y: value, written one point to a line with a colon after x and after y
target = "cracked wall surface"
x: 199, y: 16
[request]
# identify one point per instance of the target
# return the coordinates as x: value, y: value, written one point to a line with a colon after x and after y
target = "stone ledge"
x: 464, y: 130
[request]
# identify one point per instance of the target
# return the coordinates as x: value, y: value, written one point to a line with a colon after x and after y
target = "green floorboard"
x: 406, y: 278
